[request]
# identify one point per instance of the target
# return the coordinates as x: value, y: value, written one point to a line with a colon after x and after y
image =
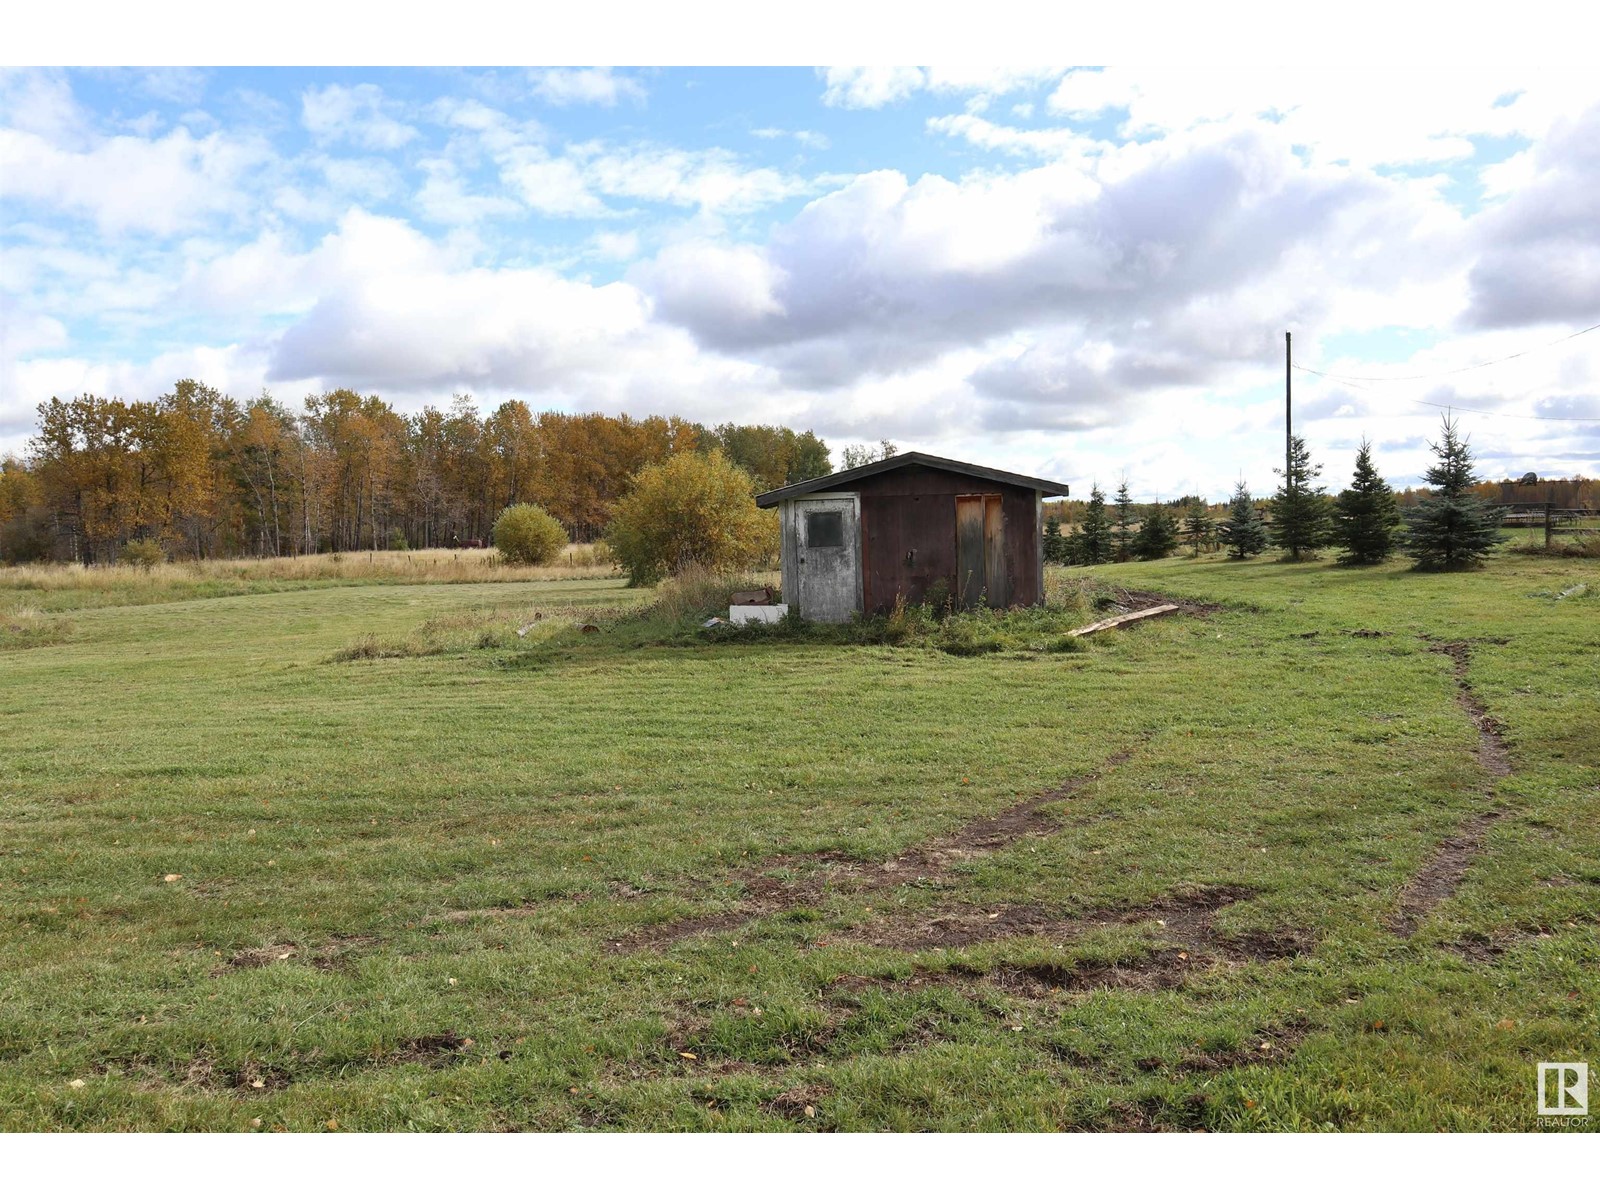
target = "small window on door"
x: 825, y: 530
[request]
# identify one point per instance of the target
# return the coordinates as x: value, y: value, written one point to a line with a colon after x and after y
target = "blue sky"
x: 1075, y: 272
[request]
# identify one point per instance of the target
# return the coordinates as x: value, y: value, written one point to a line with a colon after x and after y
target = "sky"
x: 1080, y: 273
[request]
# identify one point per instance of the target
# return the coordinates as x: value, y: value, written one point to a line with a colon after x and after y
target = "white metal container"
x: 743, y: 614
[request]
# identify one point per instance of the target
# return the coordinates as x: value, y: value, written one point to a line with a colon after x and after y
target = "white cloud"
x: 355, y: 114
x: 590, y: 85
x: 444, y: 199
x: 1540, y: 246
x: 743, y: 283
x: 870, y: 87
x: 175, y: 85
x: 556, y: 187
x: 23, y: 333
x: 713, y: 179
x: 1042, y: 143
x: 808, y: 138
x: 41, y: 102
x: 1366, y: 117
x: 620, y: 246
x: 875, y: 87
x: 125, y: 184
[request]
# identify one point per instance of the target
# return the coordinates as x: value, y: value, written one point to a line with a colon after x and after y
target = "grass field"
x: 1233, y: 869
x: 55, y: 587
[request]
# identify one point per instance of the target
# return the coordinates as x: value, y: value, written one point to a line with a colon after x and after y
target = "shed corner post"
x: 788, y: 576
x: 1038, y: 538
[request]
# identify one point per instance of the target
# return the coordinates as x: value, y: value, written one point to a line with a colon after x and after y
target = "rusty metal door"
x: 828, y: 549
x: 981, y: 551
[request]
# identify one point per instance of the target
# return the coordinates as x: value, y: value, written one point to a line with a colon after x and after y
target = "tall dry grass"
x: 584, y: 561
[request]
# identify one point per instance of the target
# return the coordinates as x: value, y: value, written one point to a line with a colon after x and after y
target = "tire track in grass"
x: 766, y: 894
x: 1438, y: 878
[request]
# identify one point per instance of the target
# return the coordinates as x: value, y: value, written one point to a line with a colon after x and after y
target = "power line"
x: 1441, y: 374
x: 1482, y: 412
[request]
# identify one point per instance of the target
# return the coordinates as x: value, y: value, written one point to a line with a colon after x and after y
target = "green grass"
x: 448, y: 845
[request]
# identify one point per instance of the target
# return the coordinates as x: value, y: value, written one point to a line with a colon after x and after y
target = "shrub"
x: 143, y: 552
x: 693, y: 510
x: 528, y: 536
x: 397, y: 540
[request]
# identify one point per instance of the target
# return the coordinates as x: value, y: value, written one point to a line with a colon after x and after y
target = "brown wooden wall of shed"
x: 915, y: 509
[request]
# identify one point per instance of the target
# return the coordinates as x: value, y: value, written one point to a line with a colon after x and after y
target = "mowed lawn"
x: 245, y: 883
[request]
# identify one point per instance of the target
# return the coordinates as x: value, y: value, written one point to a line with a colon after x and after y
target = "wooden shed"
x: 855, y: 540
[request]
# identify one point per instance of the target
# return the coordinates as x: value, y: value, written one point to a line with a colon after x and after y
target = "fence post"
x: 1547, y: 507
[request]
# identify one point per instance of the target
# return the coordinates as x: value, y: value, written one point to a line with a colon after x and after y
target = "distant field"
x: 58, y: 586
x: 1324, y: 857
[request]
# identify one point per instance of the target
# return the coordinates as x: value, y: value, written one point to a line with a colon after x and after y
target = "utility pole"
x: 1288, y: 440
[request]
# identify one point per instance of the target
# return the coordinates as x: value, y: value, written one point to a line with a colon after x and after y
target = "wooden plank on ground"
x: 1124, y: 619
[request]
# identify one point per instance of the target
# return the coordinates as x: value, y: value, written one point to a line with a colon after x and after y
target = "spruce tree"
x: 1452, y: 529
x: 1096, y: 530
x: 1123, y: 539
x: 1365, y: 516
x: 1301, y: 513
x: 1072, y: 549
x: 1244, y: 532
x: 1198, y: 527
x: 1158, y: 534
x: 1054, y: 543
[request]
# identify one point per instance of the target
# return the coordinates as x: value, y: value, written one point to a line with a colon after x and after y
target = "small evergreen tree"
x: 1054, y: 543
x: 1365, y: 516
x: 1073, y: 549
x: 1244, y: 532
x: 1158, y: 534
x: 1096, y: 530
x: 1124, y: 531
x: 1198, y: 527
x: 1301, y: 513
x: 1453, y: 529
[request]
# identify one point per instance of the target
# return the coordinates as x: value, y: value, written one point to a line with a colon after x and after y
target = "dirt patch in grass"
x: 1272, y: 1044
x: 933, y: 860
x: 799, y: 1103
x: 204, y: 1073
x: 1493, y: 755
x: 1477, y: 947
x: 812, y: 877
x: 1184, y: 920
x: 461, y: 915
x: 333, y: 955
x: 257, y: 956
x: 1441, y: 875
x: 1132, y: 600
x: 1185, y: 917
x: 436, y: 1050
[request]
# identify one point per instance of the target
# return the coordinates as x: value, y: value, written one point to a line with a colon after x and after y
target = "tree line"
x: 207, y: 476
x: 1447, y: 525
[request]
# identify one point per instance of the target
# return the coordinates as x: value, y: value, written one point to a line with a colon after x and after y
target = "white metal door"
x: 828, y: 551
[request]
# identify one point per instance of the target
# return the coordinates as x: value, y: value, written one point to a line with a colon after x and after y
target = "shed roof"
x: 913, y: 458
